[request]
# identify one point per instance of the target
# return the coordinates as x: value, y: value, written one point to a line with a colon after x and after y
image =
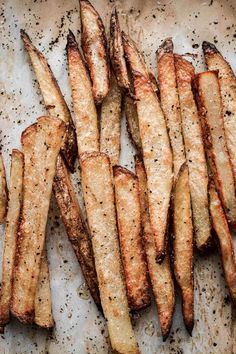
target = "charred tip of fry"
x: 24, y: 36
x: 71, y: 41
x: 209, y: 48
x: 165, y: 48
x: 189, y: 326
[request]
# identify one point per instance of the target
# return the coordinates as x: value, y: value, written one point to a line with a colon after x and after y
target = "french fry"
x: 225, y: 242
x: 130, y: 228
x: 160, y: 274
x: 170, y: 101
x: 98, y: 194
x: 110, y: 123
x: 53, y: 98
x: 41, y: 144
x: 43, y: 301
x: 183, y: 245
x: 12, y: 222
x: 3, y: 191
x: 75, y: 227
x: 210, y: 109
x: 84, y: 107
x: 94, y: 45
x: 195, y: 155
x: 227, y: 80
x: 132, y: 122
x: 117, y: 54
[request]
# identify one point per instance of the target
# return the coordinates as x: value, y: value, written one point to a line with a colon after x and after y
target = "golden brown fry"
x: 225, y: 242
x: 160, y: 274
x: 3, y: 191
x: 41, y: 144
x: 132, y: 122
x: 117, y: 54
x: 94, y: 45
x: 12, y: 222
x: 130, y: 228
x: 210, y: 110
x: 75, y: 227
x: 170, y: 101
x: 53, y: 98
x: 98, y: 194
x: 227, y: 80
x: 86, y: 122
x: 183, y: 245
x: 110, y: 123
x: 194, y: 148
x: 43, y: 302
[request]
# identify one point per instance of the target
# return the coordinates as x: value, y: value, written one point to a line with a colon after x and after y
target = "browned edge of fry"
x: 132, y: 122
x: 3, y: 191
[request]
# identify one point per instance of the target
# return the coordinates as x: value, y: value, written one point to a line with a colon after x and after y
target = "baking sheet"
x: 79, y: 327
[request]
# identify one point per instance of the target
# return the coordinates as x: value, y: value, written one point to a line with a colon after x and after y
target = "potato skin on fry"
x: 129, y: 225
x: 132, y: 122
x: 3, y: 191
x: 94, y: 45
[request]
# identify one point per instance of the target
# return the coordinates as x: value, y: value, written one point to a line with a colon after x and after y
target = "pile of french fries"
x: 181, y: 195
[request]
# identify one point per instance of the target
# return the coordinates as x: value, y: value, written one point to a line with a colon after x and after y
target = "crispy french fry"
x: 41, y: 144
x: 130, y: 228
x: 170, y: 101
x: 160, y: 274
x: 132, y: 122
x: 43, y: 302
x: 225, y: 242
x: 98, y: 194
x: 194, y: 148
x: 75, y: 227
x: 84, y: 107
x: 110, y: 123
x: 215, y: 61
x: 94, y: 45
x: 210, y: 109
x: 117, y: 54
x: 12, y: 222
x: 53, y: 98
x: 3, y: 191
x: 183, y: 245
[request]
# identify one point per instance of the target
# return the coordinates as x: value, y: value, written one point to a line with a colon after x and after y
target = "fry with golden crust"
x: 210, y: 109
x: 53, y: 98
x: 183, y: 245
x: 132, y: 122
x: 43, y: 302
x: 110, y: 123
x: 195, y: 155
x: 3, y: 191
x: 12, y: 222
x: 170, y: 101
x: 130, y: 228
x: 41, y: 144
x: 227, y: 80
x: 98, y: 194
x: 86, y: 121
x: 160, y: 274
x: 75, y: 227
x: 225, y: 242
x: 94, y: 45
x: 117, y: 54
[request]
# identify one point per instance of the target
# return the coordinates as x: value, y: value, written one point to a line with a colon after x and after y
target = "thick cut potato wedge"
x: 130, y: 228
x: 183, y: 245
x: 86, y: 121
x: 215, y: 61
x: 98, y: 194
x: 225, y: 242
x: 53, y: 98
x: 210, y: 109
x: 41, y: 144
x: 43, y: 302
x: 110, y: 123
x: 117, y: 54
x: 3, y: 191
x: 195, y: 155
x: 12, y: 223
x: 170, y: 101
x: 132, y: 122
x: 75, y: 227
x: 160, y: 274
x: 94, y: 45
